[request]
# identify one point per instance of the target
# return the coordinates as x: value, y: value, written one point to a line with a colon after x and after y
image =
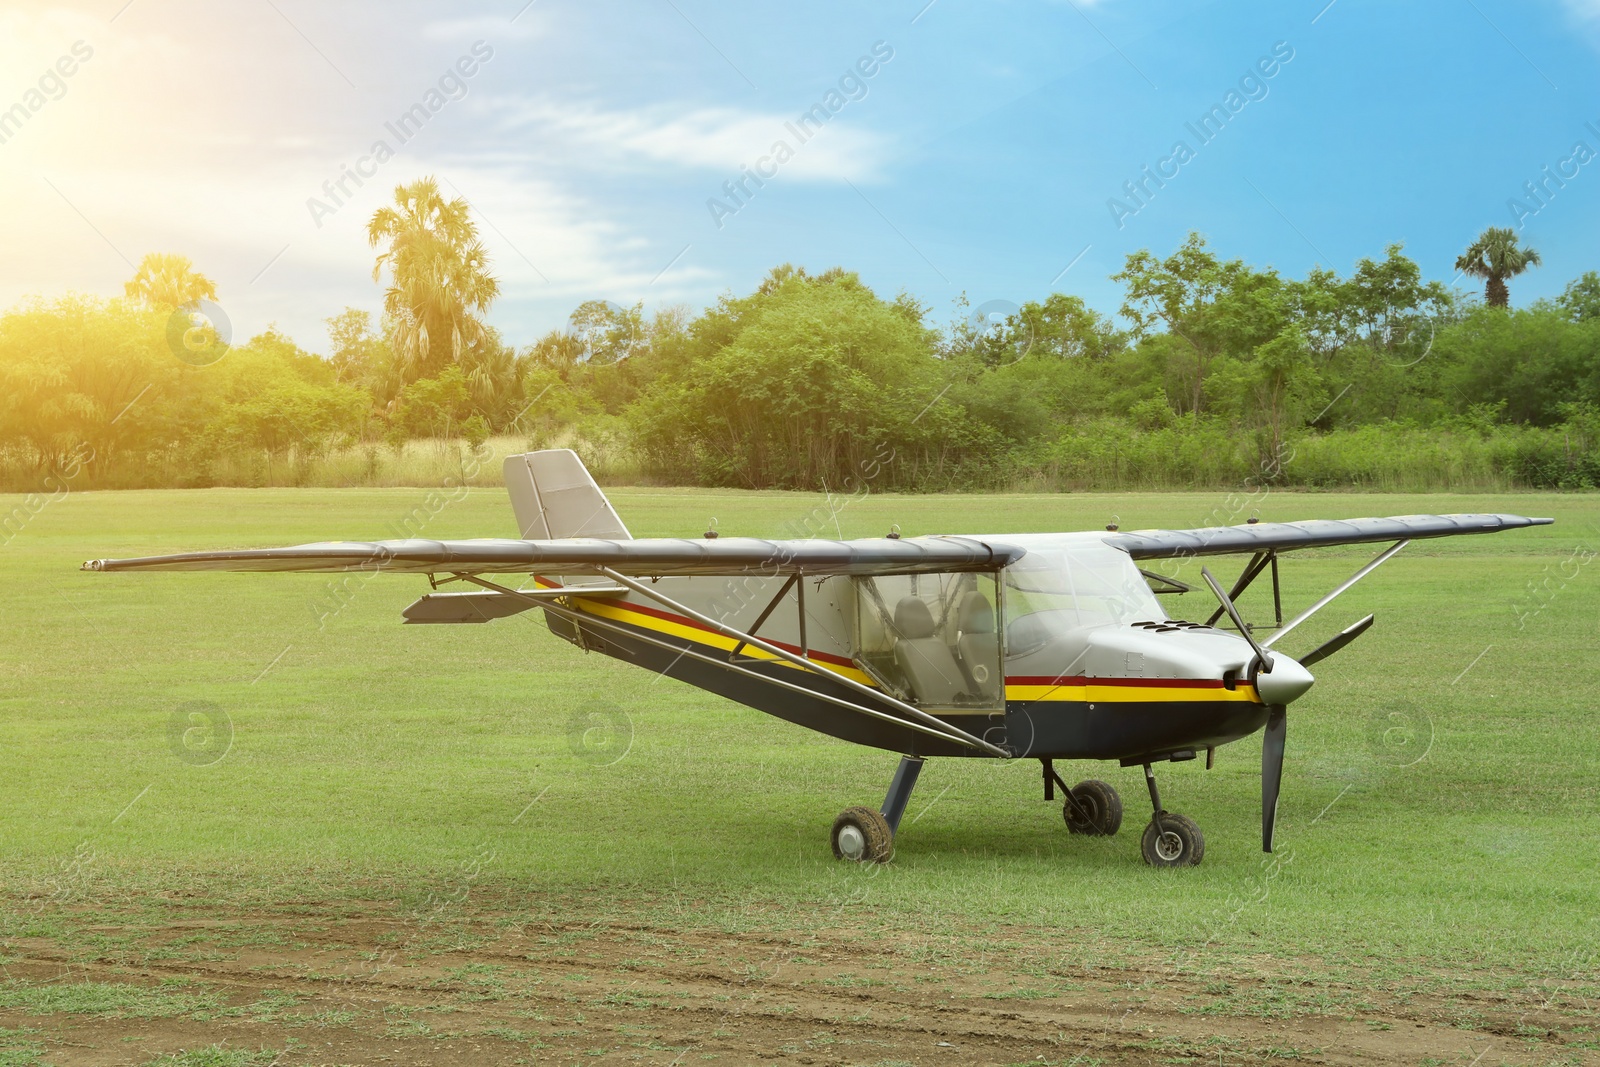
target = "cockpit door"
x: 932, y: 639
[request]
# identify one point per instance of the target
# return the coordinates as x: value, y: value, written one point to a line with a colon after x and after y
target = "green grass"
x: 373, y: 759
x: 104, y: 1000
x: 213, y: 1056
x: 18, y: 1049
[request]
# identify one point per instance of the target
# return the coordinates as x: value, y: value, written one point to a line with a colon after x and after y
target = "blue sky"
x: 979, y: 158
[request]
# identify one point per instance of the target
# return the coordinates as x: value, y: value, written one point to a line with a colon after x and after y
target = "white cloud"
x: 719, y: 140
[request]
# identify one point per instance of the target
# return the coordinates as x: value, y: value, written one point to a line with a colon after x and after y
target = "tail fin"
x: 554, y: 496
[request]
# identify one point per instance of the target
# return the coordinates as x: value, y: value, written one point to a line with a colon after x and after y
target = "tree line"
x: 1214, y: 371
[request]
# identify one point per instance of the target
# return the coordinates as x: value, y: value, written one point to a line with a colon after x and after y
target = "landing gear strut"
x: 1092, y: 807
x: 1171, y: 840
x: 867, y: 836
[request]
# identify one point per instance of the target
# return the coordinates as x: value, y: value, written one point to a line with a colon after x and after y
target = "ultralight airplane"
x: 1048, y: 646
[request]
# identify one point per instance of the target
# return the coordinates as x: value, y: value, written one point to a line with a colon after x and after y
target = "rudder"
x: 554, y: 496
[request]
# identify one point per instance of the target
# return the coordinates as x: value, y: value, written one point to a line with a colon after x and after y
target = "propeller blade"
x: 1272, y: 771
x: 1338, y: 641
x: 1233, y: 613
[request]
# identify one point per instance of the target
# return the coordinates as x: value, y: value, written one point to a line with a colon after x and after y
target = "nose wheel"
x: 1171, y: 840
x: 1174, y: 841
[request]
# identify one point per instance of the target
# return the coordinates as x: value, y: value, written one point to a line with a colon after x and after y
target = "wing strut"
x: 768, y: 610
x: 1377, y: 561
x: 723, y: 628
x: 1252, y: 570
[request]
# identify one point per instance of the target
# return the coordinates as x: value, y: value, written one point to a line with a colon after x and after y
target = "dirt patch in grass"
x: 587, y: 980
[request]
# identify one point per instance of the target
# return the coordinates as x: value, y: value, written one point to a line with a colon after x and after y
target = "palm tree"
x: 439, y: 277
x: 1495, y: 256
x: 493, y: 378
x: 169, y: 281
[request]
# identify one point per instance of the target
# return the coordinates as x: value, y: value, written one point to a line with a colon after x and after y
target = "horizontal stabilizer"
x: 464, y: 607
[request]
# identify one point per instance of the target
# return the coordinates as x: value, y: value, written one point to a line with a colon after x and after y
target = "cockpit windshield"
x: 1071, y: 585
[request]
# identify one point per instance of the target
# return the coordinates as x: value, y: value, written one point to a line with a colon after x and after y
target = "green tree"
x: 69, y: 368
x: 1275, y: 387
x: 435, y: 407
x: 273, y: 397
x: 1369, y: 335
x: 1213, y: 306
x: 1529, y: 363
x: 1064, y: 327
x: 605, y: 332
x: 1494, y: 257
x: 290, y: 414
x: 168, y: 281
x: 815, y: 375
x: 1061, y: 327
x: 1581, y: 298
x: 439, y: 277
x: 1387, y: 306
x: 494, y: 380
x: 362, y: 357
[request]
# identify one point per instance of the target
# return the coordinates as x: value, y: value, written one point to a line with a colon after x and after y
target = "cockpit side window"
x: 931, y: 638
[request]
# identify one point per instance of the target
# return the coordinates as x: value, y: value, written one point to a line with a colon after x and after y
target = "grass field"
x: 363, y: 841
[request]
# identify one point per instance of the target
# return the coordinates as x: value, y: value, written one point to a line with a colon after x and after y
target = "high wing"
x: 653, y: 557
x: 650, y: 557
x: 1314, y: 533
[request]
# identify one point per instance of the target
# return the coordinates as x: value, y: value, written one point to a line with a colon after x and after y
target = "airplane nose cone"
x: 1288, y: 681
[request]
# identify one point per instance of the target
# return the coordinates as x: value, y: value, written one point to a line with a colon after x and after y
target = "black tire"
x: 862, y: 835
x: 1097, y: 811
x: 1179, y: 843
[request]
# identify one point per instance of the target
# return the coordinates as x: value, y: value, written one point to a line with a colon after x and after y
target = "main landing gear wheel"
x: 862, y: 835
x: 1177, y: 842
x: 1093, y: 808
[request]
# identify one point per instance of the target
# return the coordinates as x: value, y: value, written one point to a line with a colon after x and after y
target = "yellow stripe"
x: 1145, y: 694
x: 1104, y: 694
x: 1131, y: 694
x: 704, y: 638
